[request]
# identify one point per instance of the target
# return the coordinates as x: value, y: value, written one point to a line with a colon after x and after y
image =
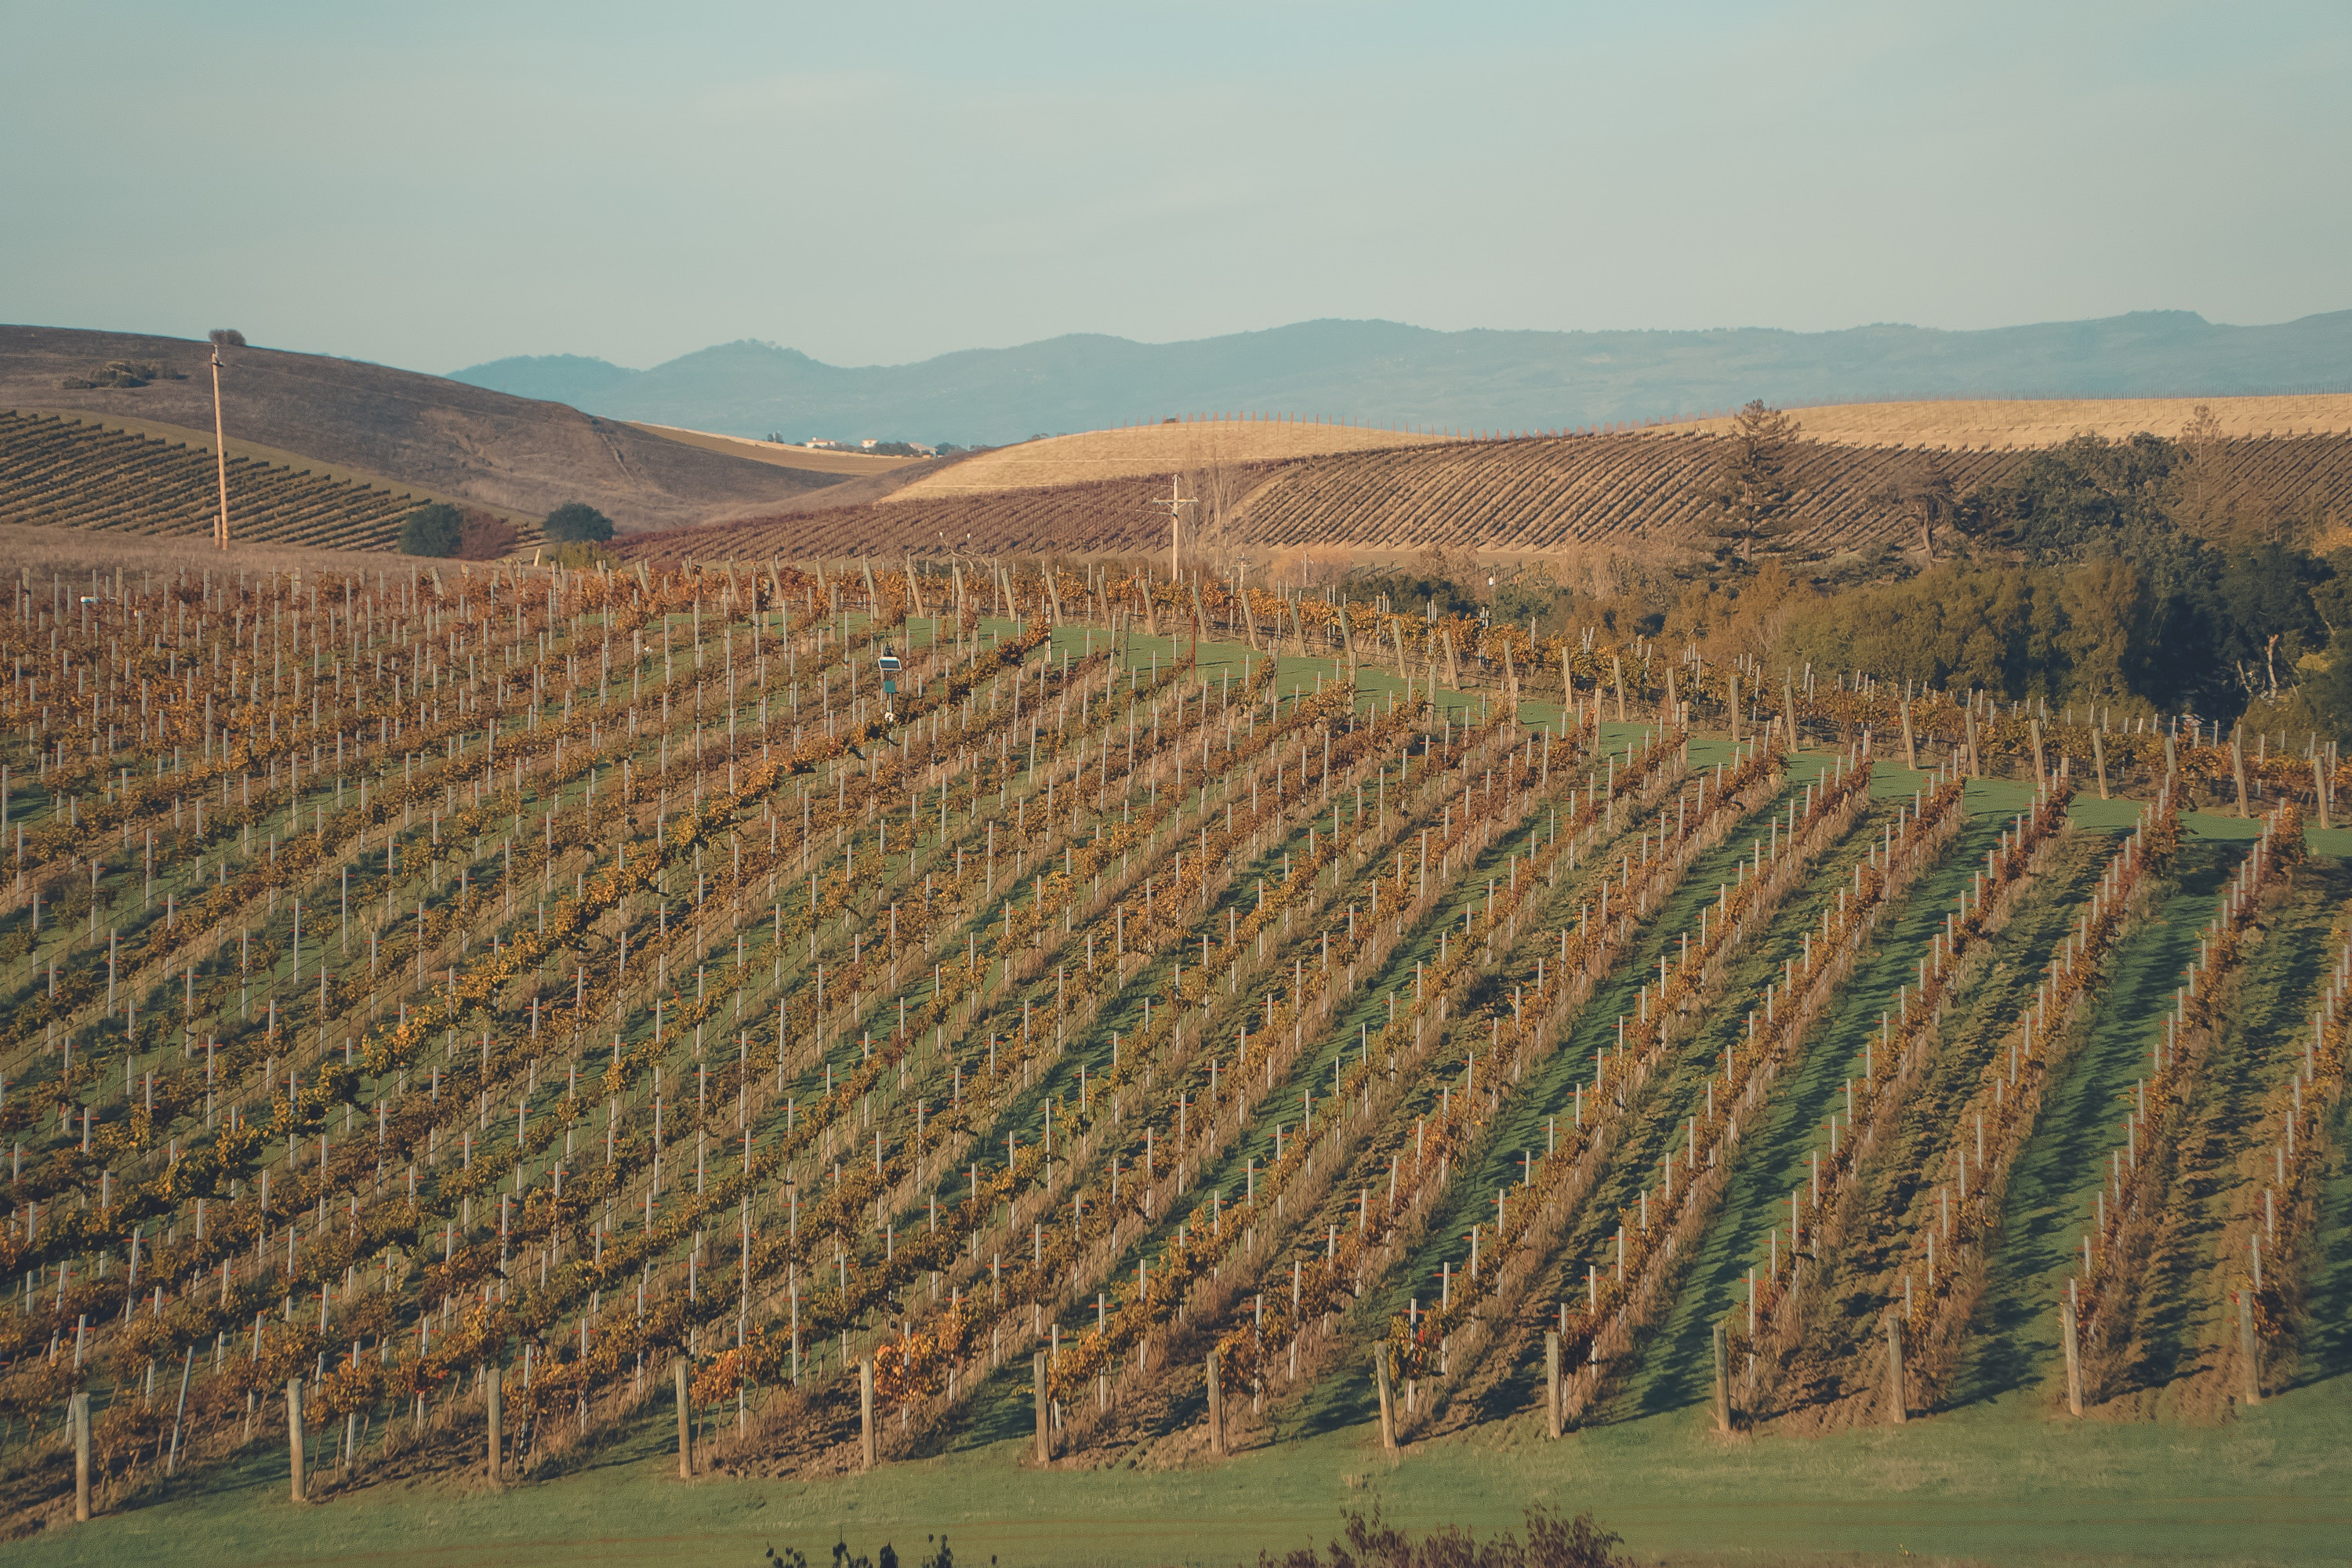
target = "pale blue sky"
x: 433, y: 185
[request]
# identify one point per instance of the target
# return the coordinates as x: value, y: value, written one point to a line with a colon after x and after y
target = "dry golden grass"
x: 809, y: 459
x: 1145, y: 449
x: 2012, y: 424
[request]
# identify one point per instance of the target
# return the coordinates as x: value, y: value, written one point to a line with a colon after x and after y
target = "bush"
x: 435, y: 527
x: 1552, y: 1542
x: 581, y: 554
x: 488, y: 536
x: 575, y: 522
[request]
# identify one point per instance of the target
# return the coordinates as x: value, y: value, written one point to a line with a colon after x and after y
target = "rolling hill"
x: 1641, y: 490
x: 484, y: 448
x: 2017, y: 423
x: 1383, y: 373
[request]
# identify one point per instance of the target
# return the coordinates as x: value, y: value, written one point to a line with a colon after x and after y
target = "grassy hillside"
x: 443, y: 438
x: 2009, y: 426
x: 1171, y: 446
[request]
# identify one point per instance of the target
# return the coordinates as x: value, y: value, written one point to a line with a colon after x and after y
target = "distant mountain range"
x: 1382, y: 372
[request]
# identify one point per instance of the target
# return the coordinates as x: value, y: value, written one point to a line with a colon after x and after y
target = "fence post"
x: 1895, y: 1410
x: 1216, y: 1408
x: 2249, y: 1352
x: 78, y: 1413
x: 865, y: 1414
x: 493, y: 1388
x: 1723, y: 1387
x: 1551, y: 1377
x: 685, y: 1437
x: 294, y: 1432
x: 1045, y: 1432
x: 1388, y: 1410
x: 2066, y: 1323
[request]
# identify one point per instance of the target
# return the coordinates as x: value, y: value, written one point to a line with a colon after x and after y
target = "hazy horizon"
x: 444, y: 186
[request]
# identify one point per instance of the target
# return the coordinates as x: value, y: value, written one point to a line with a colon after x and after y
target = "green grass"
x: 1996, y: 1482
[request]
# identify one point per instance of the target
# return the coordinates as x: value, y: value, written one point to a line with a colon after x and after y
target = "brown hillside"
x: 441, y: 437
x: 1519, y: 496
x: 59, y: 472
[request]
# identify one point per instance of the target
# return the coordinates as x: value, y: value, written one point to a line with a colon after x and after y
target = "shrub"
x: 577, y: 521
x: 579, y: 554
x: 435, y: 527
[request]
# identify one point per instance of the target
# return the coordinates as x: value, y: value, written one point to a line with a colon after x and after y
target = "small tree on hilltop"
x: 435, y: 527
x: 1754, y: 502
x: 576, y: 522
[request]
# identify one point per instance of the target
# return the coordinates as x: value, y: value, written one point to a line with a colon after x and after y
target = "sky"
x: 432, y: 186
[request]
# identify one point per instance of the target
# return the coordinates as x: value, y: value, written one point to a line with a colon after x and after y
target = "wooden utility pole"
x: 1175, y: 504
x: 220, y: 450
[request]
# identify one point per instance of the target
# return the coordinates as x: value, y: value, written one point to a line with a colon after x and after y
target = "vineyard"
x: 457, y: 1019
x: 63, y: 473
x: 2020, y: 423
x: 1530, y: 494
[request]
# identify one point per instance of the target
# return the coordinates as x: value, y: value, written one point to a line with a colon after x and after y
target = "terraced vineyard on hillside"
x: 64, y: 473
x: 452, y: 1019
x: 1532, y: 494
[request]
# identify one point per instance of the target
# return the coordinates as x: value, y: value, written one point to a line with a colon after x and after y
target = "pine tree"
x: 1754, y: 501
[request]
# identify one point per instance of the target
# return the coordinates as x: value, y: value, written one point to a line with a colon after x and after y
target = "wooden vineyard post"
x: 2066, y: 1326
x: 685, y: 1437
x: 2248, y: 1353
x: 865, y: 1414
x: 1045, y: 1432
x: 1216, y: 1408
x: 1733, y: 703
x: 1551, y: 1381
x: 1894, y: 1411
x: 494, y: 1390
x: 1617, y: 662
x: 78, y: 1412
x: 1671, y: 706
x: 2099, y: 761
x: 1723, y: 1387
x: 1388, y: 1407
x: 2041, y: 774
x: 1910, y: 746
x: 2319, y: 787
x: 294, y: 1432
x: 2238, y: 767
